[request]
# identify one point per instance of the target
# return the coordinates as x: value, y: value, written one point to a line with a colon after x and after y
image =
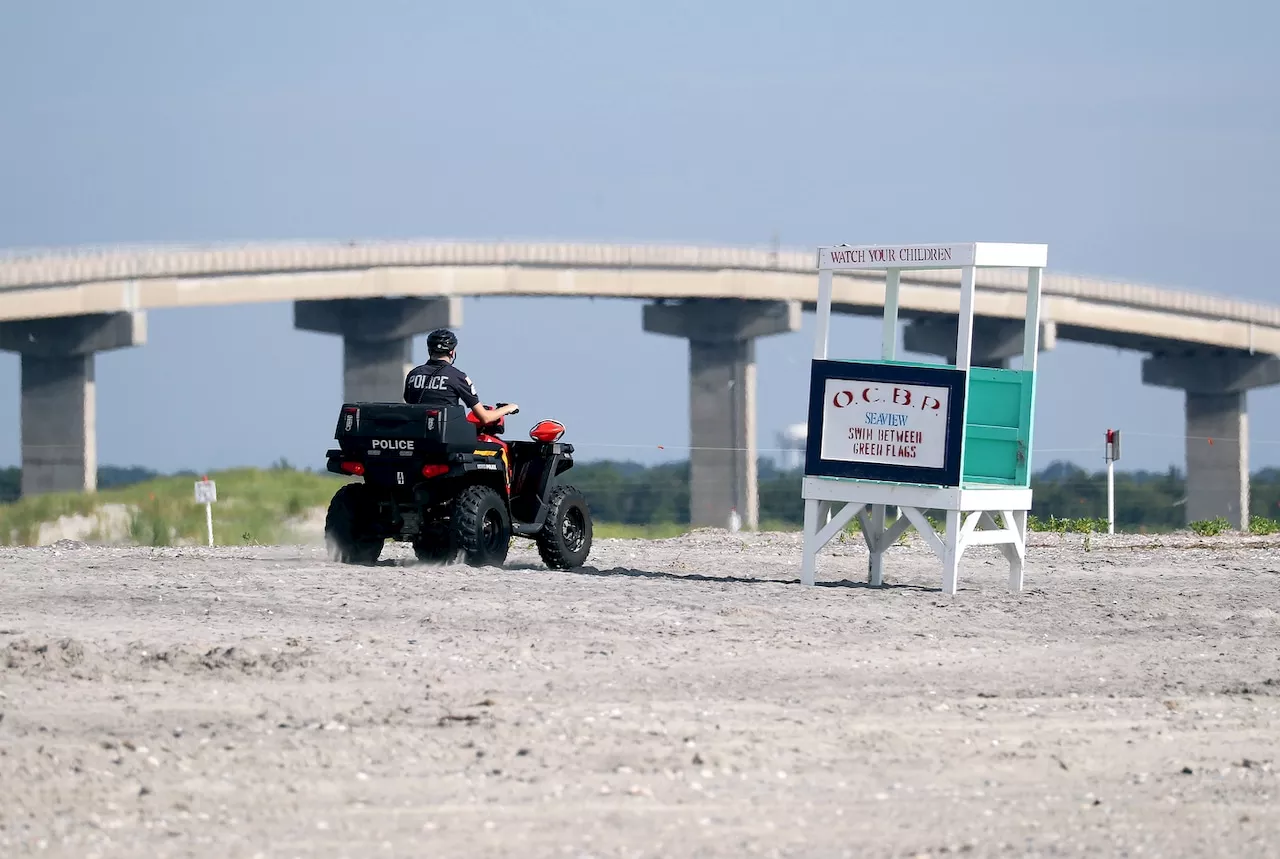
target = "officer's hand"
x: 512, y: 408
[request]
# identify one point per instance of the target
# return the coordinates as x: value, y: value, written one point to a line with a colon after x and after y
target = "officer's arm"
x: 412, y: 394
x: 488, y: 416
x: 471, y: 398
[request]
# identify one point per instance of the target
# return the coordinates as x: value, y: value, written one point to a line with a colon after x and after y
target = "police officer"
x: 439, y: 383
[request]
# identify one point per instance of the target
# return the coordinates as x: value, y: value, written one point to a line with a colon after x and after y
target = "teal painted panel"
x: 994, y: 401
x: 1029, y: 409
x: 989, y: 461
x: 998, y: 427
x: 990, y: 433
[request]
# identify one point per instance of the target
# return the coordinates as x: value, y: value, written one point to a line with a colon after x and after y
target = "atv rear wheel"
x: 482, y: 526
x: 565, y: 539
x: 436, y: 545
x: 348, y: 526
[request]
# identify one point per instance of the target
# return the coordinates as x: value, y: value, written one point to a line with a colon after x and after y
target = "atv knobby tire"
x: 482, y: 526
x: 348, y: 531
x: 436, y: 545
x: 565, y: 539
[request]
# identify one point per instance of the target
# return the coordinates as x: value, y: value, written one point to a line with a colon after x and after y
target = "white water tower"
x: 792, y: 441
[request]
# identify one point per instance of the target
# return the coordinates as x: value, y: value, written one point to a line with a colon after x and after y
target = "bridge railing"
x: 30, y: 268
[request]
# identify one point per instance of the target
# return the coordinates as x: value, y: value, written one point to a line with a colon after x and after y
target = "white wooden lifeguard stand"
x: 916, y: 436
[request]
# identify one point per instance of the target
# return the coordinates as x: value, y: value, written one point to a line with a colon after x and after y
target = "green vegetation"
x: 1067, y: 526
x: 617, y: 531
x: 1260, y: 526
x: 627, y: 500
x: 109, y: 477
x: 252, y: 508
x: 1068, y: 499
x: 631, y: 494
x: 1210, y: 527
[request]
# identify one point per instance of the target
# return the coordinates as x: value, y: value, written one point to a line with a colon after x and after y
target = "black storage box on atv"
x: 436, y: 478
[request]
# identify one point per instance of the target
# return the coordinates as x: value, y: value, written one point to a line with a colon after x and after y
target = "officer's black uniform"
x: 439, y: 383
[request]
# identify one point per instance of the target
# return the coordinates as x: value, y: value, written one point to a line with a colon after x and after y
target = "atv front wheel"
x: 565, y: 539
x: 348, y: 531
x: 482, y: 526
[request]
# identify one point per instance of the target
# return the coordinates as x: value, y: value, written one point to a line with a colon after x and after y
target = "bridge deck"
x: 50, y: 283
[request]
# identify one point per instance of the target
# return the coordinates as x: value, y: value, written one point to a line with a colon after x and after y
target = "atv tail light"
x: 547, y: 431
x: 356, y: 468
x: 434, y: 470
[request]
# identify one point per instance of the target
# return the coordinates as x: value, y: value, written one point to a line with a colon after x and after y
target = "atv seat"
x: 498, y: 427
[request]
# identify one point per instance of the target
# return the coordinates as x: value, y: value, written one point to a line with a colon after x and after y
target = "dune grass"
x: 255, y: 505
x: 253, y: 508
x: 664, y: 530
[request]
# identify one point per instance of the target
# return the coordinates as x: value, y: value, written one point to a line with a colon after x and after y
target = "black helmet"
x: 442, y: 341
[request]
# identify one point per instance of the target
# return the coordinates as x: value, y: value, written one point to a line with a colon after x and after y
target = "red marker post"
x: 1112, y: 454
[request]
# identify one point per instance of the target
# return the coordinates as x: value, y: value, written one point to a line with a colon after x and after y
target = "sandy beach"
x: 684, y: 698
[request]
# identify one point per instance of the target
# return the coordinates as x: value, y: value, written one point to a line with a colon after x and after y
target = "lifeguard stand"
x: 922, y: 436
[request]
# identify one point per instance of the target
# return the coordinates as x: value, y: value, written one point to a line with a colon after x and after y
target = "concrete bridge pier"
x: 1216, y: 383
x: 722, y: 397
x: 995, y: 341
x: 377, y: 338
x: 59, y: 405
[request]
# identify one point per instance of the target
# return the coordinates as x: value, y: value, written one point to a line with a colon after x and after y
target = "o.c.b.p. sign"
x: 889, y: 422
x: 864, y: 420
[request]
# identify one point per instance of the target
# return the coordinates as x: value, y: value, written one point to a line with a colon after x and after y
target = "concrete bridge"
x: 59, y: 307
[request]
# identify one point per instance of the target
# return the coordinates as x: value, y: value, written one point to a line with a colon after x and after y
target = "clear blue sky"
x: 1139, y: 140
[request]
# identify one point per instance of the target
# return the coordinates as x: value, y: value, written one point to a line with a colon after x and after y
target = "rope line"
x: 584, y: 444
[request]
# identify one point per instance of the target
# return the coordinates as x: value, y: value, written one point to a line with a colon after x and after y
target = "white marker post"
x: 206, y: 494
x: 1112, y: 454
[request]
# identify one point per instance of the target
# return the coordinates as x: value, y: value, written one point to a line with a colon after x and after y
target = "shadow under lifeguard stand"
x: 922, y: 436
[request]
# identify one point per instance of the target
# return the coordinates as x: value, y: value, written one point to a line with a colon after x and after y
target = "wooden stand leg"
x: 809, y: 558
x: 1018, y: 523
x: 951, y: 552
x: 964, y: 529
x: 876, y: 547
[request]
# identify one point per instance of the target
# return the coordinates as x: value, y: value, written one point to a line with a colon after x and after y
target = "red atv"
x: 435, y: 477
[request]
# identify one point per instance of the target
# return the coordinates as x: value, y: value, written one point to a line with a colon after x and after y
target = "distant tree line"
x: 109, y: 476
x: 633, y: 494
